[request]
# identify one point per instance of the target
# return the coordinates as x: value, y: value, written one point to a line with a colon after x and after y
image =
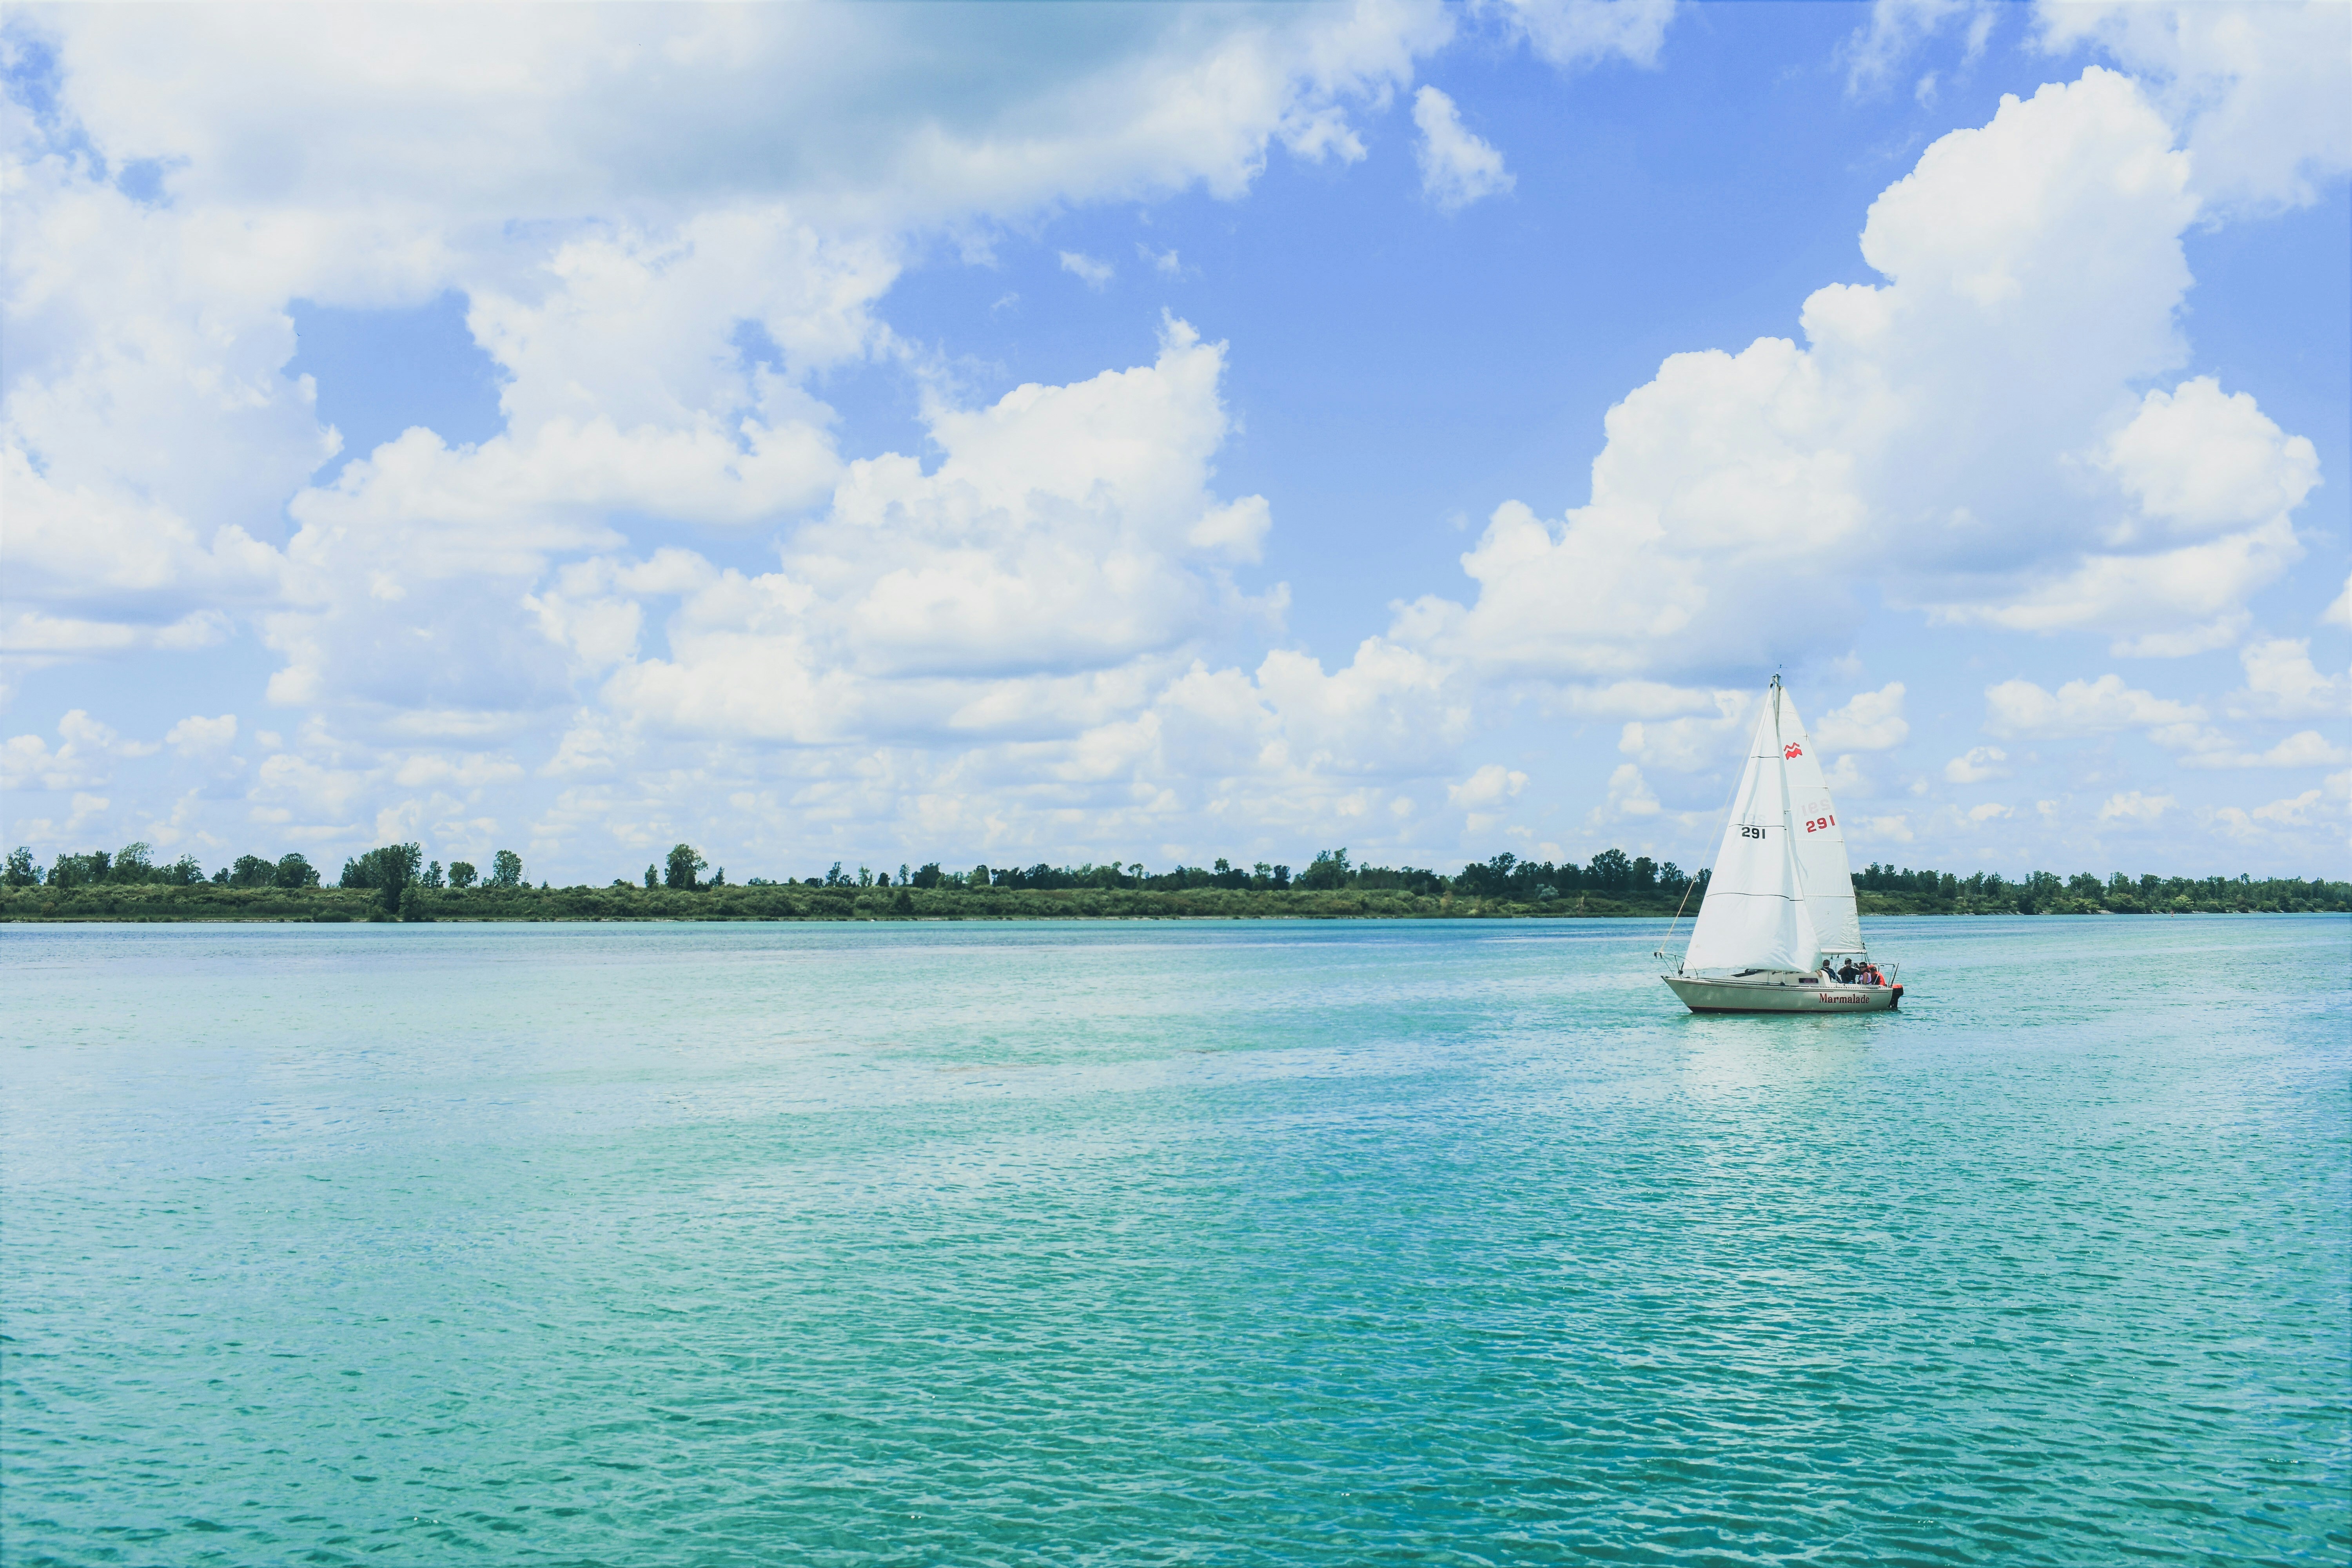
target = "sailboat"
x: 1778, y: 931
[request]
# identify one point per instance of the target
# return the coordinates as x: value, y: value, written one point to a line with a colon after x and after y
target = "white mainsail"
x: 1755, y: 914
x: 1820, y: 841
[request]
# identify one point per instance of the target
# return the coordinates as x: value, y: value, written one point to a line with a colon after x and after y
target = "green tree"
x: 1328, y: 872
x: 431, y: 878
x: 685, y: 867
x: 389, y: 870
x: 80, y: 871
x: 294, y: 871
x: 653, y: 875
x: 462, y: 874
x: 252, y: 871
x: 412, y: 904
x: 1611, y: 870
x: 23, y: 871
x: 506, y: 869
x: 130, y: 864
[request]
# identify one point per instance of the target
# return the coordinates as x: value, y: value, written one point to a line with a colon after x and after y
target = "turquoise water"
x: 1144, y: 1243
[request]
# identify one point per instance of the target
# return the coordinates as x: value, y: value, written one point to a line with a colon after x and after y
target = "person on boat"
x: 1845, y: 973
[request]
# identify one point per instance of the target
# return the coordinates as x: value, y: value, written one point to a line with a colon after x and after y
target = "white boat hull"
x: 1780, y: 994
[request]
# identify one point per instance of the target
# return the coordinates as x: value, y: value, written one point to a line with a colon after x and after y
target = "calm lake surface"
x: 1139, y: 1243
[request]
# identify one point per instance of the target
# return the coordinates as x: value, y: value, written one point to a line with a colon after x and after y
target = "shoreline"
x: 206, y: 904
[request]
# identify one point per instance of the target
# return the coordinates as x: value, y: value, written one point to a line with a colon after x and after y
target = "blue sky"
x: 882, y: 434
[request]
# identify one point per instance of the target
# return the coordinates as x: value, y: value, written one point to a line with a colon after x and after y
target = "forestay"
x: 1821, y: 842
x: 1755, y: 914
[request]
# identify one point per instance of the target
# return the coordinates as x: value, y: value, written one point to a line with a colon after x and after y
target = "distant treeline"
x: 1882, y: 890
x: 395, y: 881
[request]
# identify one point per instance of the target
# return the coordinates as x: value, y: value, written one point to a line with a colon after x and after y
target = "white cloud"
x: 1688, y: 745
x: 2296, y: 811
x: 196, y: 736
x: 2135, y: 807
x: 2289, y: 820
x: 2256, y: 91
x: 2259, y: 90
x: 2339, y: 609
x: 1096, y: 275
x: 1977, y: 765
x: 80, y: 762
x: 1898, y: 27
x: 1457, y: 167
x: 1989, y: 812
x: 1630, y: 796
x: 615, y: 236
x: 1028, y: 584
x: 2282, y: 682
x: 1879, y: 829
x: 1167, y: 263
x: 1845, y: 778
x: 2199, y: 462
x: 1871, y: 722
x: 2078, y: 708
x: 1626, y: 699
x: 873, y: 118
x: 1570, y: 34
x: 1490, y: 786
x: 2034, y: 270
x: 2304, y: 749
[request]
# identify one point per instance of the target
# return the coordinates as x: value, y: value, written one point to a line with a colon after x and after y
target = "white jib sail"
x: 1821, y: 842
x: 1755, y: 915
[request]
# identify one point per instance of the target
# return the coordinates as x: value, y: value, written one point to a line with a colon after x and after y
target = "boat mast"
x: 1788, y: 815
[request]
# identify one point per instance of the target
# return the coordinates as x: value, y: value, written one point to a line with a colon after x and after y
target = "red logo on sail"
x: 1792, y: 750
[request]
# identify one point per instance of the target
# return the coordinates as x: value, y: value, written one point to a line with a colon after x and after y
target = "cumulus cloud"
x: 82, y: 759
x: 1872, y: 721
x: 1457, y: 167
x: 1096, y: 275
x: 871, y: 118
x: 2304, y: 749
x: 1976, y: 765
x: 2135, y: 807
x: 2339, y: 609
x: 2282, y: 682
x: 196, y: 736
x: 1630, y: 796
x: 2258, y: 89
x: 1896, y: 829
x: 1898, y: 28
x: 1577, y: 33
x: 1690, y: 744
x: 1490, y: 786
x: 2291, y: 819
x: 665, y: 561
x: 2079, y: 708
x: 1067, y: 540
x: 1975, y: 405
x: 619, y: 243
